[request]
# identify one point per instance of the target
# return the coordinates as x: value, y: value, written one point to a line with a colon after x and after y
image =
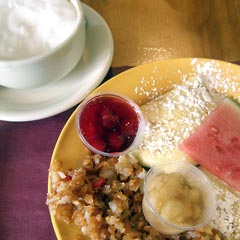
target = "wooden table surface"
x: 146, y: 31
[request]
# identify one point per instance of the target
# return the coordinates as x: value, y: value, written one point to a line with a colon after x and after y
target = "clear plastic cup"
x: 152, y: 187
x: 110, y: 124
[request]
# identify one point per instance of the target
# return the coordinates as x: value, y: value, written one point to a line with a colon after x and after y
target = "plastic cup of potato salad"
x: 178, y: 197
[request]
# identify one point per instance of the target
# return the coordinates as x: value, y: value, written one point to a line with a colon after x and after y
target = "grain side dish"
x: 104, y: 200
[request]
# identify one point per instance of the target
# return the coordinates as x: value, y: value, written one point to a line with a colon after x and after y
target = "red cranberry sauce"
x: 109, y: 124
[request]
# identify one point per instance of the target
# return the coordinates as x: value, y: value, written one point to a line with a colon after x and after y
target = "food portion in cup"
x: 109, y: 124
x: 40, y: 42
x: 178, y: 197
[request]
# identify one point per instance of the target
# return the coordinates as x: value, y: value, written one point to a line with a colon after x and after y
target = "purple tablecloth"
x: 25, y: 153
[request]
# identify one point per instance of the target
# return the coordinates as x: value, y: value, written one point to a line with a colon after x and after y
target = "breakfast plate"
x: 56, y: 97
x: 142, y: 84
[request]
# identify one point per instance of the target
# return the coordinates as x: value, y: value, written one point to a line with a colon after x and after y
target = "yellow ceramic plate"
x: 140, y: 84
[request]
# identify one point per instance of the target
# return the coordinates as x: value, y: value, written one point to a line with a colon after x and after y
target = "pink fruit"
x: 108, y: 118
x: 115, y: 142
x: 129, y: 128
x: 216, y: 144
x: 98, y: 144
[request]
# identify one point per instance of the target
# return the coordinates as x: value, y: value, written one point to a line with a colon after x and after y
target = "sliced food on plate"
x: 216, y: 143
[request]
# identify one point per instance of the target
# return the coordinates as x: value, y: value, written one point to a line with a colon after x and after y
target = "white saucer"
x: 46, y: 101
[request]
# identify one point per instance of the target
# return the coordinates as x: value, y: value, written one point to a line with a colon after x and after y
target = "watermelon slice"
x: 216, y: 144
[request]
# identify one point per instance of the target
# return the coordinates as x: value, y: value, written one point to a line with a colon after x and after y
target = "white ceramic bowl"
x: 51, y: 66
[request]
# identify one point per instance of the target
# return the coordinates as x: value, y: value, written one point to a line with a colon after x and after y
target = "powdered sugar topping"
x: 227, y: 217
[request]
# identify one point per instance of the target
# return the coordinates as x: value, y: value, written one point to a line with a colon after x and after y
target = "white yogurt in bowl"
x: 40, y: 41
